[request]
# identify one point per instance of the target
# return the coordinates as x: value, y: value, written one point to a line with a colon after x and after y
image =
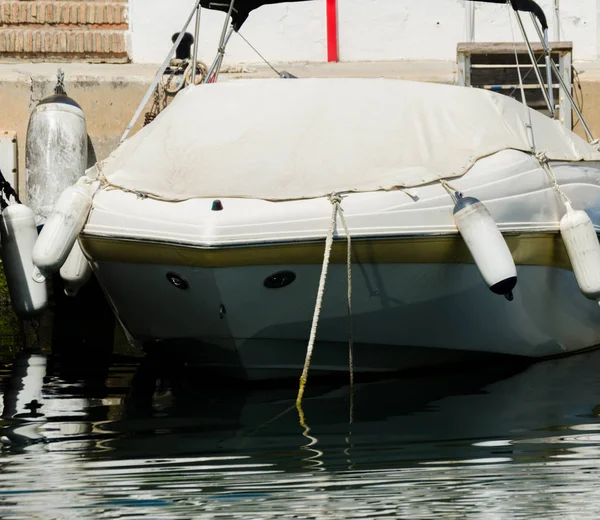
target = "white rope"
x: 451, y: 191
x: 545, y: 164
x: 318, y: 305
x: 337, y: 209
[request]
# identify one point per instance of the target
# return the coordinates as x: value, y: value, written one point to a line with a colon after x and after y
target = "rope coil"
x: 184, y: 68
x: 168, y: 88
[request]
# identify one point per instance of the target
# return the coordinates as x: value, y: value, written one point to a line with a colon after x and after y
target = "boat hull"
x: 405, y: 315
x: 417, y: 297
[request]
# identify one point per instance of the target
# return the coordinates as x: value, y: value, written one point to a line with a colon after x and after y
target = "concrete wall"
x: 368, y: 29
x: 108, y: 94
x: 284, y: 32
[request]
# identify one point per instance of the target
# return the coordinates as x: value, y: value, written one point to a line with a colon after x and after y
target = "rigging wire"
x: 525, y: 76
x: 259, y: 54
x: 157, y: 77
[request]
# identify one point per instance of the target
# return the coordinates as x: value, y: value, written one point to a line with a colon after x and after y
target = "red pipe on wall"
x: 332, y: 31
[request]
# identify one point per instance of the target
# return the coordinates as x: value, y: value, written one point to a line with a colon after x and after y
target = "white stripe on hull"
x: 432, y: 311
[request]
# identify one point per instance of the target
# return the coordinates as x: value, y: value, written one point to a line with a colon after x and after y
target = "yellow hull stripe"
x: 527, y: 249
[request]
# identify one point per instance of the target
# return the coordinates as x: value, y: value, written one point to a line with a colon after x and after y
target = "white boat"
x: 209, y: 228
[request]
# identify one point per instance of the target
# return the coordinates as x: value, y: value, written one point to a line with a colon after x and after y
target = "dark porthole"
x: 280, y: 279
x: 177, y: 281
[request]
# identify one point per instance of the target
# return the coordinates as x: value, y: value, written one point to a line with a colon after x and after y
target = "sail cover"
x: 304, y: 138
x: 241, y: 8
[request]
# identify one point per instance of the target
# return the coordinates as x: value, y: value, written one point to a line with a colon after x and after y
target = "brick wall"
x: 64, y: 30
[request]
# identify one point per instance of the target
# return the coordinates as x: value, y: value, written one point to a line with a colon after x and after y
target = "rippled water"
x: 127, y: 438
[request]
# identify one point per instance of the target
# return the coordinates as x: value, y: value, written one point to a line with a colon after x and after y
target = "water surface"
x: 149, y: 438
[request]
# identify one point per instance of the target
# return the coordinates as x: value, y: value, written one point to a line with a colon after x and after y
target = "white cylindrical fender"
x: 56, y: 152
x: 62, y: 228
x: 581, y: 242
x: 487, y: 245
x: 76, y: 271
x: 19, y: 235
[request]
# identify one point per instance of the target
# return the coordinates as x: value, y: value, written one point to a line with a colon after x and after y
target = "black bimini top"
x: 241, y: 8
x: 522, y: 5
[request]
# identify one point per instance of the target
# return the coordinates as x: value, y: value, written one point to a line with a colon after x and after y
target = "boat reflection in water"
x: 158, y: 439
x: 42, y: 403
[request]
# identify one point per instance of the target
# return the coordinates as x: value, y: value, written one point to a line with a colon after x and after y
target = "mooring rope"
x: 318, y: 305
x: 350, y: 334
x: 545, y: 164
x: 349, y: 303
x: 453, y: 192
x: 335, y: 200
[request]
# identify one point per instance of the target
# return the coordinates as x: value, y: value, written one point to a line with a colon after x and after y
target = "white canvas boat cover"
x: 305, y: 138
